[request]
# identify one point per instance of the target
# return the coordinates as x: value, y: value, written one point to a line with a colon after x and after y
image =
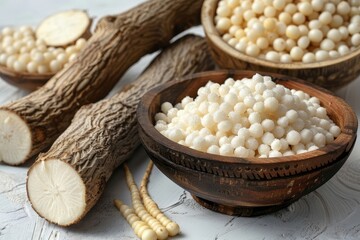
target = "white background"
x: 331, y: 212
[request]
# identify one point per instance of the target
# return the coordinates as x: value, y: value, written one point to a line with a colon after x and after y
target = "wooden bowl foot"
x: 239, y: 210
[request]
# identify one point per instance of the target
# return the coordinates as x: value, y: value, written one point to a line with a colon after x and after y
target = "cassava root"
x: 103, y: 135
x: 139, y: 207
x: 141, y: 228
x: 171, y: 226
x: 64, y: 28
x: 118, y: 42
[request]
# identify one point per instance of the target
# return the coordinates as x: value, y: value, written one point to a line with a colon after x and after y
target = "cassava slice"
x: 102, y: 136
x: 15, y: 136
x: 64, y: 28
x: 118, y: 42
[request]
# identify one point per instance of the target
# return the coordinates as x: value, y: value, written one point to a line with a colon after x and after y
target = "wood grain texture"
x: 103, y: 135
x: 330, y: 74
x: 118, y: 42
x: 245, y: 186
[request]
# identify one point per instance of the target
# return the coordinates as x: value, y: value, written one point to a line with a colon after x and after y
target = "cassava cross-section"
x: 101, y: 136
x: 64, y: 28
x: 118, y: 42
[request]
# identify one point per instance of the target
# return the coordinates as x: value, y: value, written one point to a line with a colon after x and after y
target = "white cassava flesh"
x: 64, y: 28
x: 15, y: 138
x: 56, y: 191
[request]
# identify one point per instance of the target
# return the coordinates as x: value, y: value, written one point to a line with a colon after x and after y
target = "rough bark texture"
x: 102, y: 135
x: 118, y: 42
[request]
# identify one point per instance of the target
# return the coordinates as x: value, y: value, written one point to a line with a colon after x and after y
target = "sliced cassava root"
x: 141, y: 229
x: 139, y: 207
x: 110, y: 51
x: 171, y: 226
x: 57, y: 191
x: 64, y: 28
x: 103, y: 135
x: 15, y: 137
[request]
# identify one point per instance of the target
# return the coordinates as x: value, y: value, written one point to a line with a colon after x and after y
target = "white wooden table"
x: 331, y: 212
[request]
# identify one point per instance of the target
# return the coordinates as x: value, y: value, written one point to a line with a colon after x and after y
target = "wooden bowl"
x: 24, y: 80
x: 330, y: 74
x: 244, y: 186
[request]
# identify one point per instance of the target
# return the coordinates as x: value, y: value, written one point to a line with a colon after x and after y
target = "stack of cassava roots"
x: 78, y: 140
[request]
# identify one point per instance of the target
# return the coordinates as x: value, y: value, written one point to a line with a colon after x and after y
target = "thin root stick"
x: 171, y: 226
x: 139, y: 208
x: 145, y: 179
x: 141, y: 229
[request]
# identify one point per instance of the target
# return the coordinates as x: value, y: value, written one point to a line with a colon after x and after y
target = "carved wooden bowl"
x: 24, y: 80
x: 244, y: 186
x: 330, y: 74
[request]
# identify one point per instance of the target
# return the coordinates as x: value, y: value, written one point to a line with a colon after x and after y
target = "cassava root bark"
x: 101, y: 136
x: 35, y: 121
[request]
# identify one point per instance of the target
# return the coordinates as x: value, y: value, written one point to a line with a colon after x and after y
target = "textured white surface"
x: 331, y: 212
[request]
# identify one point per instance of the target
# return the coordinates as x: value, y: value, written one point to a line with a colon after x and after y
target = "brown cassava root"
x: 118, y: 42
x: 103, y: 135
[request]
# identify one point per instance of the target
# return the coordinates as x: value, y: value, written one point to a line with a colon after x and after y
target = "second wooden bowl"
x: 244, y: 186
x: 330, y: 74
x: 24, y: 80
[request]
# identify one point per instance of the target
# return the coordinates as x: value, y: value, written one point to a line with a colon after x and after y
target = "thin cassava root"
x: 146, y: 209
x: 140, y: 209
x: 141, y: 228
x: 110, y: 51
x: 103, y: 135
x: 151, y: 206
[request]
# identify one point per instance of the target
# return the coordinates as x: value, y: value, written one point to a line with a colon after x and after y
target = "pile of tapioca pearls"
x: 290, y: 31
x: 248, y: 118
x: 22, y: 52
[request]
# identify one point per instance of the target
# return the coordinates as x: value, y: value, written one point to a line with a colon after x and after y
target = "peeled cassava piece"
x: 118, y: 42
x: 64, y: 28
x: 65, y: 183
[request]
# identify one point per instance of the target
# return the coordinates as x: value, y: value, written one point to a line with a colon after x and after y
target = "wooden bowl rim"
x: 207, y: 20
x: 23, y: 76
x: 343, y: 140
